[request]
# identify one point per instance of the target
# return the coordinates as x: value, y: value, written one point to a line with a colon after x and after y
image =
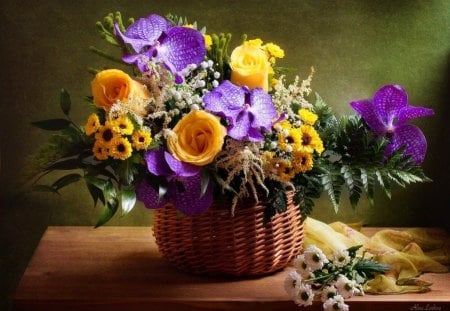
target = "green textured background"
x: 355, y: 47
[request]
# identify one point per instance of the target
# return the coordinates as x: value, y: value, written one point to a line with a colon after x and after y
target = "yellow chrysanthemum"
x: 310, y: 140
x: 208, y: 41
x: 273, y: 82
x: 285, y: 170
x: 105, y: 134
x: 100, y: 150
x: 303, y: 162
x: 274, y: 50
x: 92, y: 124
x: 123, y: 125
x: 141, y: 139
x: 255, y: 42
x: 120, y: 148
x: 307, y: 116
x: 290, y: 140
x: 283, y: 125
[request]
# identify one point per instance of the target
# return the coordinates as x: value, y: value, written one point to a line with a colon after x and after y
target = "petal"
x: 181, y: 168
x: 144, y: 32
x: 388, y: 101
x: 226, y: 100
x: 411, y: 137
x: 367, y: 111
x: 147, y: 194
x: 140, y: 60
x: 411, y: 112
x: 185, y: 194
x: 156, y: 163
x: 262, y: 108
x: 181, y: 47
x: 239, y: 130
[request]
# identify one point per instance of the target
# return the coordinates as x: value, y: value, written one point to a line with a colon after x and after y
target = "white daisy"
x: 301, y: 266
x: 328, y: 292
x: 305, y: 295
x: 345, y: 287
x: 341, y: 258
x: 335, y: 304
x: 314, y: 258
x: 292, y: 283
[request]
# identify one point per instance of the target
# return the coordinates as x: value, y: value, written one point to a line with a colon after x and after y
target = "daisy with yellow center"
x: 290, y: 140
x: 310, y: 140
x: 120, y: 148
x: 123, y: 125
x: 307, y: 116
x: 303, y: 162
x: 141, y: 139
x: 100, y: 150
x: 105, y: 134
x: 92, y: 124
x: 285, y: 170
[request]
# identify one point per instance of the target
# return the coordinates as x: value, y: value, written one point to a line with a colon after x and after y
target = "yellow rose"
x: 250, y: 67
x: 197, y: 139
x: 111, y: 85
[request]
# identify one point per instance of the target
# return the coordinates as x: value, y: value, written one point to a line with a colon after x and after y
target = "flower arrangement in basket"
x: 226, y: 140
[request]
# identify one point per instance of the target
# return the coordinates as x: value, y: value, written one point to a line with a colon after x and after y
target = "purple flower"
x: 154, y: 38
x: 388, y: 114
x: 248, y: 112
x: 183, y: 184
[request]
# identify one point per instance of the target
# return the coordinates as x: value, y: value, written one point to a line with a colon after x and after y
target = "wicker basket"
x: 215, y: 243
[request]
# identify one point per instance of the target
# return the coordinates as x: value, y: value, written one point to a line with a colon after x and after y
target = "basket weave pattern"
x: 216, y: 243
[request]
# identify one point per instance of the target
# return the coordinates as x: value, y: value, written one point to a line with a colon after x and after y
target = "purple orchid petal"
x: 144, y: 32
x: 156, y: 163
x: 179, y: 168
x: 149, y: 196
x: 140, y: 60
x: 181, y: 47
x: 186, y: 195
x: 411, y: 112
x: 367, y: 111
x: 226, y: 100
x: 239, y: 130
x: 388, y: 101
x: 262, y: 109
x: 411, y: 137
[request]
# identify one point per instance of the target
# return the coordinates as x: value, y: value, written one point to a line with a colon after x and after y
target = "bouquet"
x: 190, y: 122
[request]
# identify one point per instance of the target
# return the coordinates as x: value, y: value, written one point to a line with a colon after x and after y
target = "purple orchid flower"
x: 388, y: 114
x: 184, y: 184
x: 248, y: 112
x: 154, y: 38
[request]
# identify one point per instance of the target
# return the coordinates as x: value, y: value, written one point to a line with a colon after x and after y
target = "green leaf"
x: 45, y: 188
x: 66, y: 180
x: 128, y: 199
x: 52, y: 124
x: 96, y: 193
x: 204, y: 182
x: 108, y: 212
x: 97, y: 182
x: 68, y: 164
x: 65, y: 102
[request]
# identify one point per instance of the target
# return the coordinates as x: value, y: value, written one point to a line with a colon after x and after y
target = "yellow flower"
x: 303, y: 162
x: 208, y: 41
x: 105, y: 134
x: 120, y: 148
x: 282, y: 125
x: 141, y: 139
x: 274, y: 50
x: 249, y: 67
x: 255, y: 42
x: 123, y: 125
x: 310, y: 140
x: 92, y: 124
x: 197, y: 138
x: 112, y: 85
x: 285, y: 170
x: 100, y: 150
x: 307, y: 116
x: 290, y: 139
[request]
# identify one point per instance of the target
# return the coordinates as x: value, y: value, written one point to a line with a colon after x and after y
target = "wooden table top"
x: 119, y: 268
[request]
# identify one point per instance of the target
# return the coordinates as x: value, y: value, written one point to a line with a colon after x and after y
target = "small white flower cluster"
x: 304, y: 283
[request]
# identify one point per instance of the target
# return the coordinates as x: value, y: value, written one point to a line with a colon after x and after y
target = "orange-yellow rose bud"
x: 250, y: 67
x: 111, y: 85
x: 197, y: 139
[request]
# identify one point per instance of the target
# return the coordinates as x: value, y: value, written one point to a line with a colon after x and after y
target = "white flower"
x: 204, y: 65
x: 292, y: 283
x: 335, y: 304
x: 210, y: 63
x: 315, y: 258
x: 216, y: 75
x: 273, y: 144
x: 341, y: 258
x: 289, y: 148
x: 195, y: 107
x: 328, y: 292
x: 304, y: 296
x: 215, y: 83
x: 345, y: 287
x: 301, y: 266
